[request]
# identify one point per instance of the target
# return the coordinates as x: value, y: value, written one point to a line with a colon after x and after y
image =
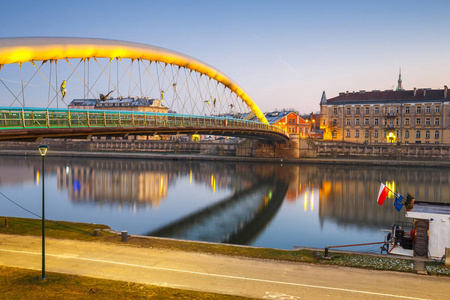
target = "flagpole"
x: 393, y: 192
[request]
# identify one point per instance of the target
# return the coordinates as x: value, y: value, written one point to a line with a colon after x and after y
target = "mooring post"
x: 124, y: 236
x: 326, y: 253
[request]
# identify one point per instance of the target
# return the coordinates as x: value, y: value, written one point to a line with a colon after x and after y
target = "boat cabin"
x: 431, y: 233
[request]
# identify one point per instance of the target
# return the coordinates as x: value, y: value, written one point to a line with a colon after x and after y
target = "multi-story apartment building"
x: 400, y: 116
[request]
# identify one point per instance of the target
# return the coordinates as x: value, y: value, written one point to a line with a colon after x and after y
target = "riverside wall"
x: 296, y: 148
x: 309, y: 148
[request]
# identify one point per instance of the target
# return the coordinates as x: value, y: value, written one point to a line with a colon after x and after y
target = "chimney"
x: 445, y: 91
x: 415, y: 92
x: 424, y: 93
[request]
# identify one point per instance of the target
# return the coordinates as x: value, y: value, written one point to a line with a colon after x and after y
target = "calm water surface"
x: 266, y: 205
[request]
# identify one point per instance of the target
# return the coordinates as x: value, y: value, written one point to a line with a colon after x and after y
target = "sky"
x: 284, y: 54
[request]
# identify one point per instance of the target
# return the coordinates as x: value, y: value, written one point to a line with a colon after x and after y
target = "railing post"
x: 47, y: 117
x: 87, y: 119
x: 120, y: 123
x: 70, y: 121
x: 23, y: 118
x: 104, y: 118
x: 132, y: 119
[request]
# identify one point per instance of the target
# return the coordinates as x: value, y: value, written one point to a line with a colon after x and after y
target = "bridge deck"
x: 37, y: 123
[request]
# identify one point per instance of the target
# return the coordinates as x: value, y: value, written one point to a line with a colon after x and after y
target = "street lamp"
x: 43, y: 150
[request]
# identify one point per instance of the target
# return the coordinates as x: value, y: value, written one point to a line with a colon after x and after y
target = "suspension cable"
x: 21, y: 80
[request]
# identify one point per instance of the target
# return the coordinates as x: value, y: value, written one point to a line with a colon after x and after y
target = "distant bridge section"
x: 33, y: 124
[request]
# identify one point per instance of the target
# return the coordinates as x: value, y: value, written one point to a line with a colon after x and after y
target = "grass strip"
x: 20, y: 283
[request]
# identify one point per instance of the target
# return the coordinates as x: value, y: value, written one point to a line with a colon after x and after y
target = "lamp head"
x: 43, y: 149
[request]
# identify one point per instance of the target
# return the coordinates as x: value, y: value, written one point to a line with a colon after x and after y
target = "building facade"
x: 128, y: 104
x: 290, y: 121
x: 400, y: 116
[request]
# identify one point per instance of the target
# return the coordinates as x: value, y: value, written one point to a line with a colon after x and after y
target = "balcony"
x: 390, y: 115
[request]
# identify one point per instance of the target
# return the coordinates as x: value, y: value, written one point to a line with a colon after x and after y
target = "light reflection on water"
x: 267, y: 205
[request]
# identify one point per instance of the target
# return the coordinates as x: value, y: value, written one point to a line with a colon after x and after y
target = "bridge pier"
x: 294, y: 148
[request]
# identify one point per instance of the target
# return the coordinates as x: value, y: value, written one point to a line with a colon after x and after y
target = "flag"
x: 398, y: 203
x: 382, y: 194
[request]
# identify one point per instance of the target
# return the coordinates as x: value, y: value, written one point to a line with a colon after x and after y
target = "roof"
x: 421, y: 95
x: 275, y: 116
x: 431, y: 208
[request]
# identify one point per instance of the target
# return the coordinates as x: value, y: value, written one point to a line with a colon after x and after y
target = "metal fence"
x: 21, y: 118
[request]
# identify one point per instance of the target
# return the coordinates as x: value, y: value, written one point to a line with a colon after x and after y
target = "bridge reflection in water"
x: 237, y: 219
x: 306, y: 205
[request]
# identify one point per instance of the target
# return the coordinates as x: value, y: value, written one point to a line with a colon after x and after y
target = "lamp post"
x: 43, y: 150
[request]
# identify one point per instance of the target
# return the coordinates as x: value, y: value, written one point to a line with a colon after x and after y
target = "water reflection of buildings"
x: 113, y: 186
x: 139, y: 182
x: 348, y: 194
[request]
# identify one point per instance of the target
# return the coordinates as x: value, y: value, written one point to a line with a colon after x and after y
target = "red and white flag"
x: 382, y: 194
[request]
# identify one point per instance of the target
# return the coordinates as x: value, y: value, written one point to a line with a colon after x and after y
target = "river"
x: 264, y: 205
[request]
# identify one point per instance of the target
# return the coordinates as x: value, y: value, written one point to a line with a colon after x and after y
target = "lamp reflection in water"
x: 43, y: 149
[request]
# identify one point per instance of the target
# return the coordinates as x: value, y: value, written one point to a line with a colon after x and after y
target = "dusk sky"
x: 282, y: 53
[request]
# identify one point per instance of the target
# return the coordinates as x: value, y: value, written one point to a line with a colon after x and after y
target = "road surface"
x: 264, y: 279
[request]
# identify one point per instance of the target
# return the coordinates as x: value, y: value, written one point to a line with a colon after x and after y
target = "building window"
x: 349, y: 111
x: 367, y: 110
x: 334, y: 122
x: 438, y: 109
x: 357, y: 122
x: 407, y: 110
x: 357, y: 133
x: 436, y: 134
x: 418, y: 134
x: 334, y: 134
x: 376, y: 133
x: 358, y: 111
x: 407, y: 134
x: 366, y: 134
x: 366, y: 122
x: 391, y: 122
x: 376, y: 121
x: 377, y: 110
x: 397, y: 109
x: 335, y: 110
x: 348, y: 133
x: 385, y: 110
x: 428, y: 109
x: 418, y: 109
x: 427, y: 121
x: 347, y: 121
x: 436, y: 121
x: 391, y: 110
x: 407, y: 121
x: 418, y: 121
x: 396, y: 122
x: 427, y: 134
x: 323, y: 122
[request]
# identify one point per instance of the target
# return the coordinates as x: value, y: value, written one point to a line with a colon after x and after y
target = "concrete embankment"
x: 199, y: 157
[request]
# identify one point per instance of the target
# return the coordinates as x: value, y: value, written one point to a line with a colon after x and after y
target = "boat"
x: 426, y: 236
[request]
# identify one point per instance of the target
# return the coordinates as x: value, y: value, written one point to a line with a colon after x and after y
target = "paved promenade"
x: 218, y: 274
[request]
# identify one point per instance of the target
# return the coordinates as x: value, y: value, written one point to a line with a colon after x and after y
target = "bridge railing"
x: 19, y: 118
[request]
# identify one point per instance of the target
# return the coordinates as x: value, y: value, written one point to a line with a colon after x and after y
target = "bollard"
x: 326, y: 253
x: 6, y: 222
x: 447, y: 257
x: 124, y: 236
x: 96, y: 232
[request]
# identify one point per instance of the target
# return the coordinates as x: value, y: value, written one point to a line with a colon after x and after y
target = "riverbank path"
x: 264, y: 279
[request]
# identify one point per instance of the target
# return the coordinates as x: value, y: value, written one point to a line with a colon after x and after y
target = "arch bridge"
x: 39, y: 76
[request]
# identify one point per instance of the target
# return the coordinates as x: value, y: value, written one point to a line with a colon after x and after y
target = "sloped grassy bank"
x: 85, y: 232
